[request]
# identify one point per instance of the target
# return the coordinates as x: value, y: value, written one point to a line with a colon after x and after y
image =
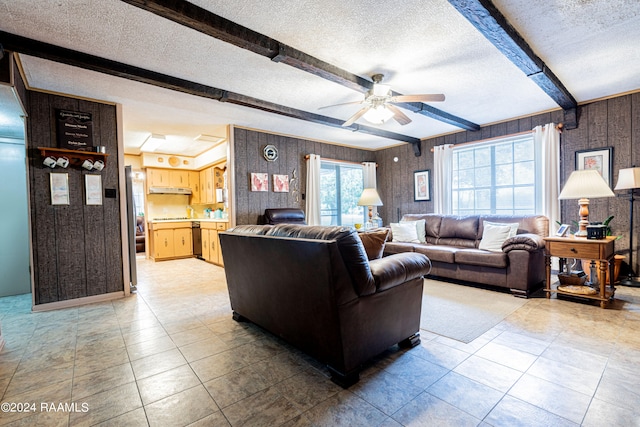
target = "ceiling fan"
x: 378, y: 104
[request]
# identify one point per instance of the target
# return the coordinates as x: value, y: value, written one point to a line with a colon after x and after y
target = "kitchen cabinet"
x: 207, y: 187
x: 211, y: 241
x: 194, y: 184
x: 158, y: 177
x: 178, y: 178
x: 169, y: 240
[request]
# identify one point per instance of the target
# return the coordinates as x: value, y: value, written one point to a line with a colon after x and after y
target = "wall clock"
x: 270, y: 153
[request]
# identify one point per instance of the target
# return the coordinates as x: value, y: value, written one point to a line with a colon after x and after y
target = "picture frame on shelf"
x: 422, y: 185
x: 599, y: 159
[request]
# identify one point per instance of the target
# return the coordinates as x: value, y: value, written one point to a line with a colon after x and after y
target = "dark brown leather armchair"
x: 314, y: 287
x: 284, y: 216
x: 140, y: 239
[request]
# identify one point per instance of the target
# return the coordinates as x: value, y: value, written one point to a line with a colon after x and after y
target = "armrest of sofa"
x: 396, y: 269
x: 528, y: 242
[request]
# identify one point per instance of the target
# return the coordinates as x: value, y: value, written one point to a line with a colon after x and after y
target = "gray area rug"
x: 461, y: 312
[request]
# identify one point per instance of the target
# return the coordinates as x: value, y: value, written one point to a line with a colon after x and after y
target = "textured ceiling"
x: 420, y: 46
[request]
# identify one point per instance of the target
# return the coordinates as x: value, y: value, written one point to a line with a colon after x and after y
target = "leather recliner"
x: 314, y: 287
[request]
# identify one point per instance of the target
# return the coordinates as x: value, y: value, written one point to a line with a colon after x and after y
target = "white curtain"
x: 548, y: 138
x: 442, y: 176
x: 313, y: 190
x: 369, y: 179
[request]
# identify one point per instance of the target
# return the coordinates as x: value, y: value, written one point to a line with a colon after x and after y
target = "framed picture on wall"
x: 59, y: 188
x: 280, y: 183
x: 259, y: 181
x: 421, y: 186
x: 599, y: 159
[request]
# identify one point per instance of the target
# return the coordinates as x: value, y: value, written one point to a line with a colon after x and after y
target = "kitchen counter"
x: 155, y: 221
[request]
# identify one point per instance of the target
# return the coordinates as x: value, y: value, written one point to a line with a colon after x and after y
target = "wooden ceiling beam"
x: 487, y: 19
x: 199, y: 19
x: 51, y: 52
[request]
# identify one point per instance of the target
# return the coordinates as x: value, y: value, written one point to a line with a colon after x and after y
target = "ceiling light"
x: 378, y: 115
x: 380, y: 90
x: 209, y: 138
x: 153, y: 142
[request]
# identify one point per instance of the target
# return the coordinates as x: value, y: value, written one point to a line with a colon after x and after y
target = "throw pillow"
x: 373, y: 242
x: 493, y: 236
x: 513, y: 226
x: 404, y: 232
x: 420, y: 228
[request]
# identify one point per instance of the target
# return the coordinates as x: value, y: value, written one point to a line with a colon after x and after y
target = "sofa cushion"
x: 398, y: 247
x: 482, y: 258
x: 438, y: 253
x: 420, y: 228
x: 513, y: 226
x: 404, y: 232
x: 493, y: 236
x: 373, y: 242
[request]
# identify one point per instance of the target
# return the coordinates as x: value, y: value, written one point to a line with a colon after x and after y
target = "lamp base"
x: 633, y: 282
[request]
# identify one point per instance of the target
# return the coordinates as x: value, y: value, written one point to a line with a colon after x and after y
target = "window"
x: 340, y: 187
x: 497, y: 178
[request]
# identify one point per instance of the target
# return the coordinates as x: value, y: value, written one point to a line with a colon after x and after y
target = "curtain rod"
x: 559, y: 127
x: 338, y: 161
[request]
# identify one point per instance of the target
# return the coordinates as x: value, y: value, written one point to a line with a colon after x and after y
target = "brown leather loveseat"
x: 314, y: 287
x: 453, y: 244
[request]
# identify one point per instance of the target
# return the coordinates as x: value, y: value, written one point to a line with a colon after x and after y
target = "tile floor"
x: 171, y: 355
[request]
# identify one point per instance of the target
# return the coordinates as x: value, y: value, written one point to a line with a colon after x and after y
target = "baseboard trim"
x: 77, y: 301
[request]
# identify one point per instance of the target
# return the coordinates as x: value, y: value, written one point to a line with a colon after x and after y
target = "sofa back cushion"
x: 349, y: 244
x: 458, y: 231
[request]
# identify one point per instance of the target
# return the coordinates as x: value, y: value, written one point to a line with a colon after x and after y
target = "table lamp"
x: 583, y: 185
x: 370, y: 197
x: 629, y: 179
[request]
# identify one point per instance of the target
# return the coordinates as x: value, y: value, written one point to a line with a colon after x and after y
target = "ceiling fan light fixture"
x: 380, y: 89
x: 378, y: 115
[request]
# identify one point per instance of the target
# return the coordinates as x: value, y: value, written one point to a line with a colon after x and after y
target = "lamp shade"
x: 369, y: 197
x: 378, y: 115
x: 628, y: 179
x: 585, y: 184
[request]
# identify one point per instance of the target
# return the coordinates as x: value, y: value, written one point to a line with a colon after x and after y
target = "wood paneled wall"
x: 395, y: 179
x: 248, y: 146
x: 613, y: 123
x: 77, y: 248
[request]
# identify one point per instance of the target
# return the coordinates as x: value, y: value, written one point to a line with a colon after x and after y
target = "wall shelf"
x: 76, y: 157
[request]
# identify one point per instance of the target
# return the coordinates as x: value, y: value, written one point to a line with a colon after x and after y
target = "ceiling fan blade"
x: 398, y: 115
x: 344, y: 103
x: 355, y: 117
x: 435, y: 97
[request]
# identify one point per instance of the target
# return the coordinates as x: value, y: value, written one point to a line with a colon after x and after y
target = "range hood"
x: 169, y: 190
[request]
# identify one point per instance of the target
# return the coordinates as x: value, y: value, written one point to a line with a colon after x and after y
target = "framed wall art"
x: 599, y: 159
x: 59, y: 188
x: 421, y: 186
x: 93, y: 189
x: 259, y: 181
x: 280, y: 183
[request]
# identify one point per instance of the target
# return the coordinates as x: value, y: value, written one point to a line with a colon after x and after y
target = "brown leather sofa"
x: 140, y: 238
x: 452, y: 245
x: 314, y: 287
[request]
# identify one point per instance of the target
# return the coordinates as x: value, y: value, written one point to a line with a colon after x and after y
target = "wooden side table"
x: 600, y: 250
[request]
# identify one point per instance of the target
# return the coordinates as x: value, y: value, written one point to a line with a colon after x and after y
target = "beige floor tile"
x: 92, y: 362
x: 157, y: 363
x: 24, y: 381
x: 427, y: 410
x: 492, y: 374
x: 167, y: 383
x: 264, y: 408
x: 217, y: 365
x: 514, y: 359
x: 201, y: 349
x: 440, y: 354
x: 192, y: 335
x: 551, y: 397
x: 135, y: 418
x: 513, y: 412
x: 107, y: 404
x: 235, y: 386
x: 99, y: 381
x: 149, y: 348
x: 182, y: 408
x: 57, y: 392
